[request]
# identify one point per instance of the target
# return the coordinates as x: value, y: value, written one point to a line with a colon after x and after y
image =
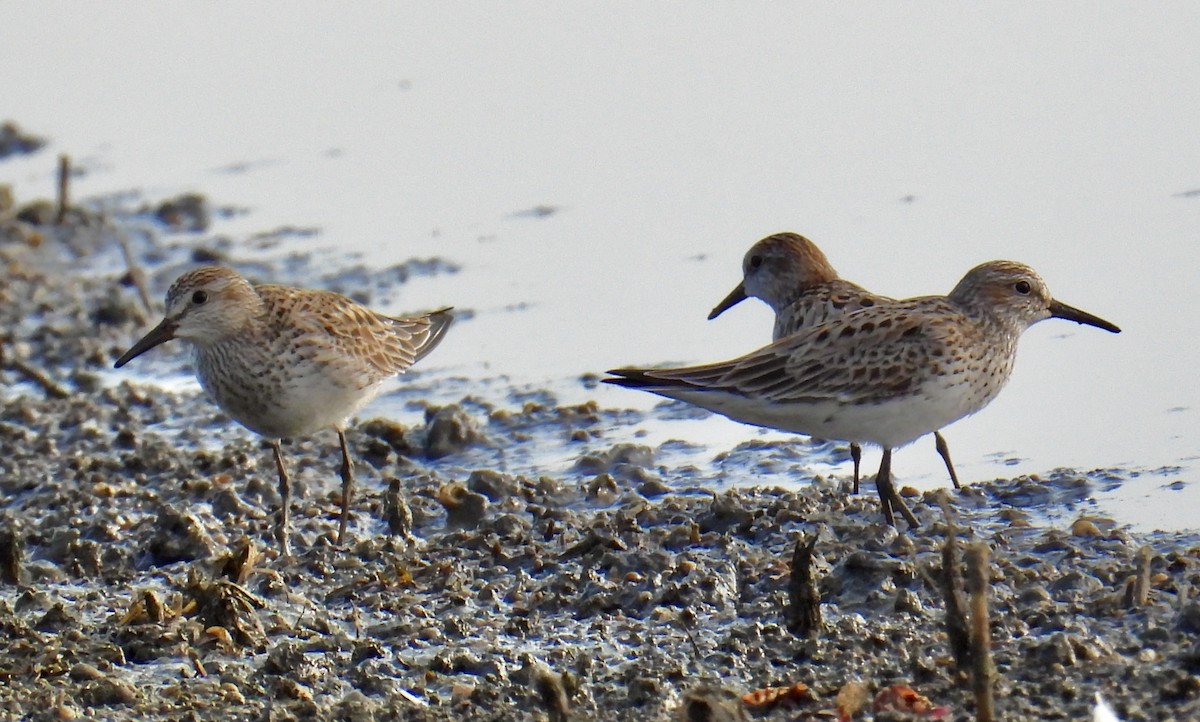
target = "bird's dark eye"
x: 199, y: 297
x: 1023, y: 287
x: 755, y: 261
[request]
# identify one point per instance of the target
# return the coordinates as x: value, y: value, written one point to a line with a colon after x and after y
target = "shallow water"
x: 569, y: 175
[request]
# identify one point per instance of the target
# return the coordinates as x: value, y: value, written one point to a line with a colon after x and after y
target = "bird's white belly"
x: 891, y: 424
x: 301, y: 411
x: 280, y: 400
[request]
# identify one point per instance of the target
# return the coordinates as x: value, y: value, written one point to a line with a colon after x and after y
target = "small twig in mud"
x: 12, y: 552
x: 64, y: 185
x: 686, y: 619
x: 804, y: 601
x: 396, y: 512
x: 34, y: 374
x: 553, y: 694
x: 983, y: 671
x: 8, y: 204
x: 1138, y: 592
x: 136, y: 275
x: 957, y: 629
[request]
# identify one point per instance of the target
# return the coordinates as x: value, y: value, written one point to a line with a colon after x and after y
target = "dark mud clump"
x: 138, y: 578
x: 15, y: 141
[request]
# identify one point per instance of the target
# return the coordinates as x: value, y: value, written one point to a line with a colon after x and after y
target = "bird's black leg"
x: 347, y: 486
x: 856, y: 455
x: 944, y: 450
x: 285, y: 501
x: 888, y: 498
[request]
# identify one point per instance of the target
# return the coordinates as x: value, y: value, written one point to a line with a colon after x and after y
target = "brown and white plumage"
x: 887, y: 374
x: 287, y: 362
x: 791, y: 274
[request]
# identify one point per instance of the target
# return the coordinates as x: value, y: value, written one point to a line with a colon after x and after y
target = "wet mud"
x: 513, y: 559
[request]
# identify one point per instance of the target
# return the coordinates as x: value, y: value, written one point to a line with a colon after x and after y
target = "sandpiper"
x: 886, y: 375
x: 792, y: 276
x: 286, y: 362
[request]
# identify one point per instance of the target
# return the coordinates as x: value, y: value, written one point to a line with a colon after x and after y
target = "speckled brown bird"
x: 790, y: 274
x: 887, y: 375
x: 286, y: 362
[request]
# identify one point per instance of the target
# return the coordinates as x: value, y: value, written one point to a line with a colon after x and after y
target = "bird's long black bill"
x: 735, y: 297
x: 1070, y: 313
x: 161, y: 333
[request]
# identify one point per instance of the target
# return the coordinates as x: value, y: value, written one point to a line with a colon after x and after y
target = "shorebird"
x: 886, y: 375
x: 790, y: 274
x: 286, y: 362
